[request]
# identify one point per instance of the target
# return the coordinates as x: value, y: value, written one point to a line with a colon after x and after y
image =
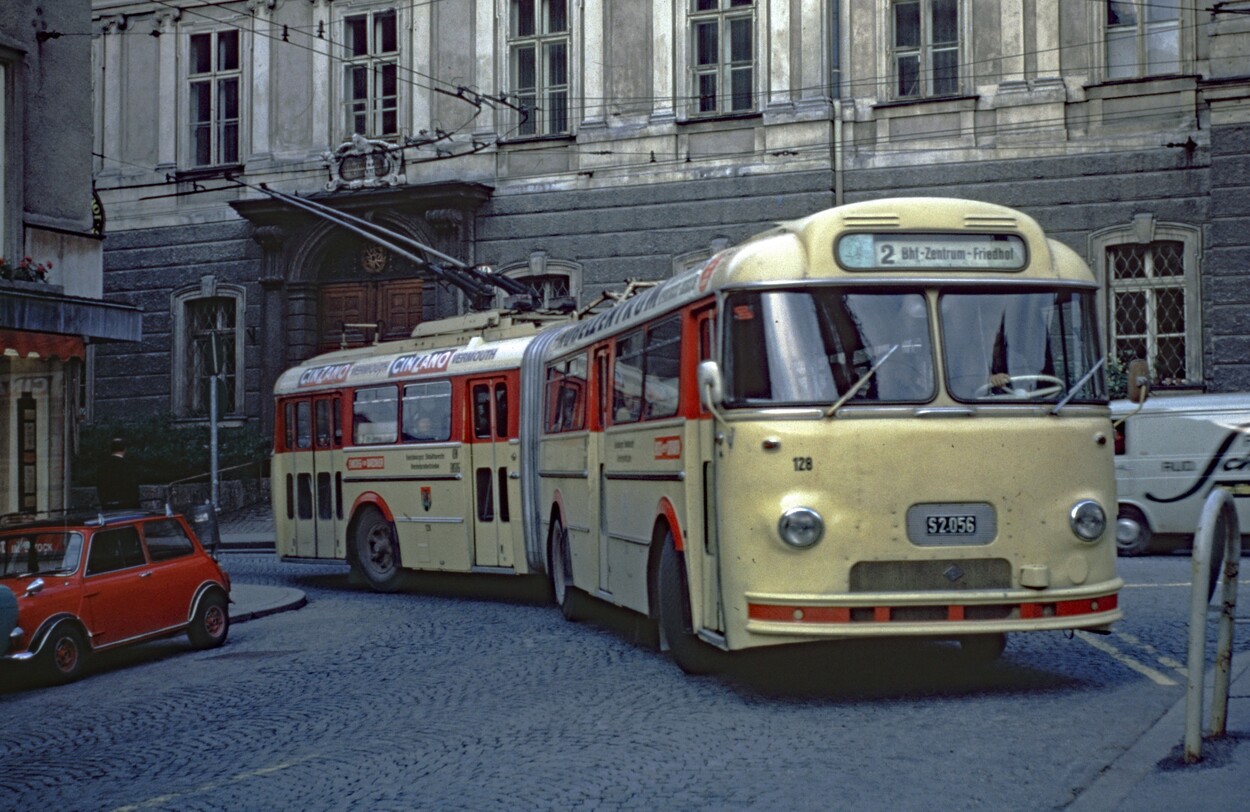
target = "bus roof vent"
x: 872, y: 221
x: 990, y: 222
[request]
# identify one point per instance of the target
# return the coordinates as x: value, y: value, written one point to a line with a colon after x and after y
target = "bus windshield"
x: 811, y: 347
x: 1013, y: 346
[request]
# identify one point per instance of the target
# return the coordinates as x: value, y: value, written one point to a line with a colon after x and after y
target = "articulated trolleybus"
x: 885, y: 419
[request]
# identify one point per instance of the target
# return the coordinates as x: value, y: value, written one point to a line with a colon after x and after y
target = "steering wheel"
x: 1056, y: 386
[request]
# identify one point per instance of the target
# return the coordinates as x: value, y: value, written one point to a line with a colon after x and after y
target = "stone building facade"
x: 576, y: 145
x: 52, y: 310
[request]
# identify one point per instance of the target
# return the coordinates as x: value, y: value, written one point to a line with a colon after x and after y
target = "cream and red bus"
x: 885, y: 419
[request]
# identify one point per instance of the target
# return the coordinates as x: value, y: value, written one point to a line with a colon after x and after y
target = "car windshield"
x: 39, y: 552
x: 1021, y: 346
x: 812, y: 347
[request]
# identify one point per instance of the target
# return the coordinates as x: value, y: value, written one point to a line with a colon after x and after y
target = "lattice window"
x: 1149, y: 308
x: 207, y: 338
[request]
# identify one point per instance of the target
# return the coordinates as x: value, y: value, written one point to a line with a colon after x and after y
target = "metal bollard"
x: 1218, y: 524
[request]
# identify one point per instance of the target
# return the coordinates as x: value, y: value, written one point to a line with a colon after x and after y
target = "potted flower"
x: 25, y: 271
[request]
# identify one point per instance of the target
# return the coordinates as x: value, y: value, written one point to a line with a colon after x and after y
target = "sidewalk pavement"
x: 1150, y: 775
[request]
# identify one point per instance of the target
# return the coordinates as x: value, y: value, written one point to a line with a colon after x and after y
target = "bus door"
x: 489, y: 460
x: 603, y: 387
x: 705, y: 487
x: 301, y: 476
x: 327, y: 481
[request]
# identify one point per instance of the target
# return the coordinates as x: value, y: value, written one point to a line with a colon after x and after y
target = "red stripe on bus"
x: 954, y: 612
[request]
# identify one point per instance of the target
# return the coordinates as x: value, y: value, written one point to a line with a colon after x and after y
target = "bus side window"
x: 288, y: 425
x: 501, y: 410
x: 324, y: 430
x: 627, y: 379
x: 303, y: 425
x: 663, y: 368
x: 481, y: 411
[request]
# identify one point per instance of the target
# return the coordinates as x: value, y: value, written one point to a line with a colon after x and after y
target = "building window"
x: 1143, y: 38
x: 925, y: 48
x: 208, y: 341
x: 538, y: 46
x: 1153, y: 299
x: 553, y: 283
x: 722, y: 41
x: 371, y: 74
x: 214, y: 95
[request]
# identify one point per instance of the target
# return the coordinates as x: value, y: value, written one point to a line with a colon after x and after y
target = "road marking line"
x: 1165, y: 660
x: 1141, y: 668
x: 162, y: 800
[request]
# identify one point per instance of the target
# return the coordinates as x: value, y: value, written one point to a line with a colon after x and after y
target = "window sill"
x: 1145, y: 80
x: 922, y: 100
x: 207, y: 172
x: 719, y: 119
x: 526, y: 140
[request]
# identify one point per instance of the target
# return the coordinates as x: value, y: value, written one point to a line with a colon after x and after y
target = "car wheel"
x: 1132, y: 532
x: 64, y: 654
x: 565, y: 595
x: 211, y: 622
x: 377, y: 551
x: 690, y: 653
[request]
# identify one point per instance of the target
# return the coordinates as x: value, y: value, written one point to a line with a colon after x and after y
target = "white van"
x: 1168, y: 458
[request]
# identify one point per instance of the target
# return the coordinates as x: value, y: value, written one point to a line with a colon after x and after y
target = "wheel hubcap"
x: 66, y: 655
x: 214, y: 621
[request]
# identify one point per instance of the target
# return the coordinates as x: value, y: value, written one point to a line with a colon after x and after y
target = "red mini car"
x: 86, y: 585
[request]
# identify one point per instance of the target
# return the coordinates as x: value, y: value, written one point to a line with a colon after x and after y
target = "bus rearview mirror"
x: 711, y: 388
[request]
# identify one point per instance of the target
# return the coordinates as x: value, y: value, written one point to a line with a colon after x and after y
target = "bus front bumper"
x: 933, y: 614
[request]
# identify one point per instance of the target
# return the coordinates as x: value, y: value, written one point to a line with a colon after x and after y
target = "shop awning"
x: 41, y: 345
x: 28, y: 311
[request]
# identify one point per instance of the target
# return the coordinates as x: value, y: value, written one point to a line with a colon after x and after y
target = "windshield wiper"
x: 863, y: 379
x: 1084, y: 380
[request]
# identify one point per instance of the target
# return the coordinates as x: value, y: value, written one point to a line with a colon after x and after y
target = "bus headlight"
x: 1088, y: 520
x: 801, y: 527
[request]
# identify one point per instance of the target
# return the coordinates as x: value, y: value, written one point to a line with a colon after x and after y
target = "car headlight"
x: 801, y: 527
x: 1088, y: 520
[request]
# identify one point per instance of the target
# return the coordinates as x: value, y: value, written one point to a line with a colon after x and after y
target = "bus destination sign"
x: 888, y: 252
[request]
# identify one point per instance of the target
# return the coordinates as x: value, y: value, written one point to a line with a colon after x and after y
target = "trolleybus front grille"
x: 941, y: 575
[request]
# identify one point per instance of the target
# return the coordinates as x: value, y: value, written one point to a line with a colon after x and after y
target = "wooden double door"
x: 394, y: 305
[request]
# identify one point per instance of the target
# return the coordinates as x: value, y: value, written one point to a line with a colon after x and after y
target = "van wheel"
x: 690, y: 653
x: 1132, y: 532
x: 377, y: 550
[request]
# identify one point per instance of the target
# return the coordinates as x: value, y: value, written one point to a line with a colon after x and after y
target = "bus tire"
x: 377, y: 551
x: 563, y: 593
x: 1132, y: 533
x: 982, y: 649
x: 690, y: 653
x: 64, y: 654
x: 211, y: 622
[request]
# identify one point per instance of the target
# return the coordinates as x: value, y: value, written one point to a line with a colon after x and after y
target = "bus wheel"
x: 1132, y: 532
x: 690, y: 653
x: 377, y: 550
x: 565, y: 595
x: 982, y: 649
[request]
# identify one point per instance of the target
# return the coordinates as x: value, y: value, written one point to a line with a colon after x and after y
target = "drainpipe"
x: 837, y: 48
